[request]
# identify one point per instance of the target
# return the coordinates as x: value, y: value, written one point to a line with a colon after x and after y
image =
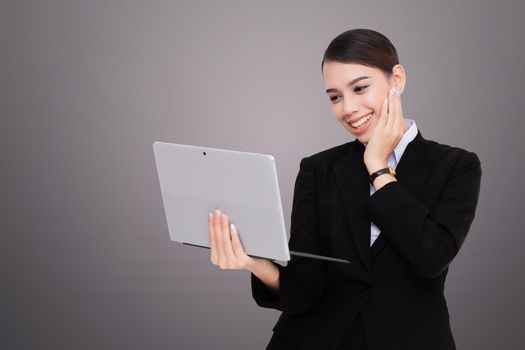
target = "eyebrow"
x: 352, y: 82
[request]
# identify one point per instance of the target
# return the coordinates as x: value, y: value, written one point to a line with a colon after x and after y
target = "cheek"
x: 373, y: 101
x: 336, y: 111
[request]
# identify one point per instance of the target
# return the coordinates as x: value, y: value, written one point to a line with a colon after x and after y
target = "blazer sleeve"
x: 301, y: 281
x: 429, y: 240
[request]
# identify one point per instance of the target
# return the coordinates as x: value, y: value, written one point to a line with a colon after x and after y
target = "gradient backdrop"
x: 86, y: 87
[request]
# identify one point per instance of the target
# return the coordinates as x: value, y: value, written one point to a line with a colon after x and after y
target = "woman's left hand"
x: 391, y: 126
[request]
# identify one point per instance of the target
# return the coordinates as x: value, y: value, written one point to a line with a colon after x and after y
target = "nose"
x: 349, y: 106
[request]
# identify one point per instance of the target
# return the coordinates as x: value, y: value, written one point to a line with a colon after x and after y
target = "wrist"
x: 267, y: 272
x: 257, y: 264
x: 382, y: 180
x: 375, y: 165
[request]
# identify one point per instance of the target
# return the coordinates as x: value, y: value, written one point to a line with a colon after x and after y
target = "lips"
x: 350, y: 121
x: 361, y: 121
x: 360, y: 125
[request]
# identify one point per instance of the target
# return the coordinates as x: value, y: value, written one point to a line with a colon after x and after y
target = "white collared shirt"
x: 393, y: 160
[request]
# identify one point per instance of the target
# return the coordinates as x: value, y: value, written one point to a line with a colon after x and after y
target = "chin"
x: 363, y: 138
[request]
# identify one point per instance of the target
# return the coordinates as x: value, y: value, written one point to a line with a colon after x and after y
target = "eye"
x: 333, y: 99
x: 360, y: 88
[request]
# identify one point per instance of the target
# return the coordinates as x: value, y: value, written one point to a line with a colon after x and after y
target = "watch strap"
x: 387, y: 170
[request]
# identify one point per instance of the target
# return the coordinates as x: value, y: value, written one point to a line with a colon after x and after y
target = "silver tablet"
x: 196, y: 180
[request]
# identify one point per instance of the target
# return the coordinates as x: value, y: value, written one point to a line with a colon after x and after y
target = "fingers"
x: 384, y: 111
x: 398, y: 125
x: 219, y: 236
x: 229, y: 258
x: 226, y: 248
x: 400, y: 107
x: 238, y: 250
x: 396, y: 121
x: 392, y: 109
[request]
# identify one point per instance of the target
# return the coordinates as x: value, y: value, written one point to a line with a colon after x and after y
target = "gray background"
x: 88, y: 86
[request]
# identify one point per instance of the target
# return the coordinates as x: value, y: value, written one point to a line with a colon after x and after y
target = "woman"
x: 395, y: 204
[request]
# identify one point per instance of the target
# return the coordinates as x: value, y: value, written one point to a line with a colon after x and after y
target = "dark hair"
x: 362, y: 46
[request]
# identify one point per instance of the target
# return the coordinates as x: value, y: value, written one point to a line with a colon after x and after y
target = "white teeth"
x: 361, y: 121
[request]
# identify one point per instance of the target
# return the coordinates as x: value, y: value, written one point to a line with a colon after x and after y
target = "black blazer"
x: 396, y: 284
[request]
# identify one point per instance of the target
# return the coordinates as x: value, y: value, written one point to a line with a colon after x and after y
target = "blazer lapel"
x: 415, y: 165
x: 352, y: 179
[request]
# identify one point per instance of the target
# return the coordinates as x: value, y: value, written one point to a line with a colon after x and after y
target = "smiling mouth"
x: 362, y: 121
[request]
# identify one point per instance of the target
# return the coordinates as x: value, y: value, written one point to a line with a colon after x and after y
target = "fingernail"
x: 392, y: 91
x: 217, y: 211
x: 232, y: 226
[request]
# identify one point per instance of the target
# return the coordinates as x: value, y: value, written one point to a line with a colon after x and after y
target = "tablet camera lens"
x: 204, y: 153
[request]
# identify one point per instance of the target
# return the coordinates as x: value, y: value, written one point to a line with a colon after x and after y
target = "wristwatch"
x: 375, y: 174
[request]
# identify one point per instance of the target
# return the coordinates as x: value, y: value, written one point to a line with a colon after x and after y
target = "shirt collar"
x: 409, y: 135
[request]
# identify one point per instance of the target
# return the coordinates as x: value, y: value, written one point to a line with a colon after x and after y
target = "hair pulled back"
x: 362, y: 46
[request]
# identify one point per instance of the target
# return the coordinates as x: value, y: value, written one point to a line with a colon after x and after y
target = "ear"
x: 398, y: 78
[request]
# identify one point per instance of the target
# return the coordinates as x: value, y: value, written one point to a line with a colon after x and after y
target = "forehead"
x: 338, y: 74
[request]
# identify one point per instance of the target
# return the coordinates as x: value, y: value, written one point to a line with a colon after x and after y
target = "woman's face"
x: 356, y: 94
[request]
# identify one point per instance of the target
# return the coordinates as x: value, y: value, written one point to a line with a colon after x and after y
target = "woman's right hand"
x: 226, y: 248
x: 227, y: 251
